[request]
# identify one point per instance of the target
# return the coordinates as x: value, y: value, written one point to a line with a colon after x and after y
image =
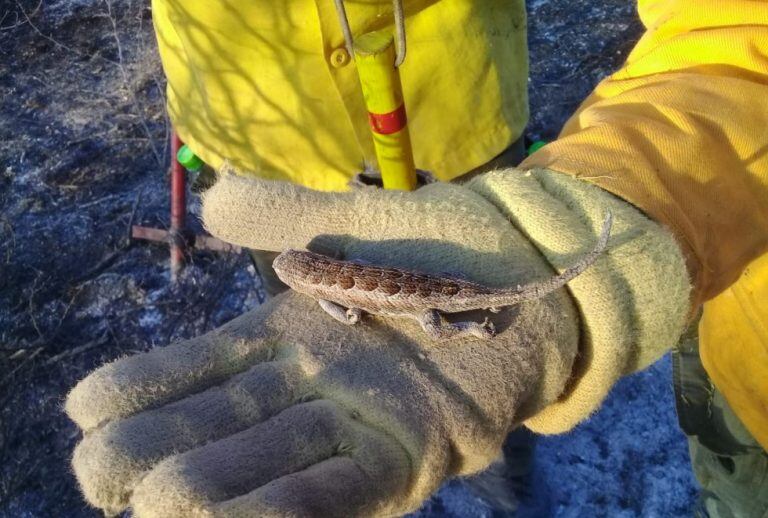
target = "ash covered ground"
x: 82, y: 154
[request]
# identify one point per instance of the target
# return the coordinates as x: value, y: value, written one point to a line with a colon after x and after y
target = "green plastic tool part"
x: 189, y: 159
x: 536, y: 146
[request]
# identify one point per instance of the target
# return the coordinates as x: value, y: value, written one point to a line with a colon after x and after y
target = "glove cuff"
x: 633, y: 301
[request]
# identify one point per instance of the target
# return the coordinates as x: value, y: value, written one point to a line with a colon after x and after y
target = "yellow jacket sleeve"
x: 681, y: 131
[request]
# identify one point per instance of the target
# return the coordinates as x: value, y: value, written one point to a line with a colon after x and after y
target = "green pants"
x: 730, y: 465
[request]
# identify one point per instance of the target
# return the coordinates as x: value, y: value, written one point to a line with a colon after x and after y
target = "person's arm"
x: 681, y: 131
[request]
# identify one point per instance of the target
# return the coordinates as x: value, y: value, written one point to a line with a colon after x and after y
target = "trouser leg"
x: 270, y: 282
x: 506, y: 481
x: 519, y: 448
x: 731, y: 467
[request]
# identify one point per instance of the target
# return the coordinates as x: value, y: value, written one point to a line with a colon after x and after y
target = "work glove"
x: 286, y: 412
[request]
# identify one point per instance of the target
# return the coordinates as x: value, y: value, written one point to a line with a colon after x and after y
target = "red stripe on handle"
x: 388, y: 123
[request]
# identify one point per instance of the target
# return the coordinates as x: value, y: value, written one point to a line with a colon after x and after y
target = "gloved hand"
x: 284, y: 411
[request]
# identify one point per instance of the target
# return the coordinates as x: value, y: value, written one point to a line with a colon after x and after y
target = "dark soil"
x: 83, y: 156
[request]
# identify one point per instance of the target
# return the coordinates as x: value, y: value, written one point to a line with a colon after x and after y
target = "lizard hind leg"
x: 354, y: 315
x: 345, y: 316
x: 436, y: 327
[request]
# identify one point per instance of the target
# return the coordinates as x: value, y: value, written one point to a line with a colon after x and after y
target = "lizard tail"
x: 539, y: 289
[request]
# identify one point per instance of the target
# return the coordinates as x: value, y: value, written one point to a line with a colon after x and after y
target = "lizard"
x: 347, y: 288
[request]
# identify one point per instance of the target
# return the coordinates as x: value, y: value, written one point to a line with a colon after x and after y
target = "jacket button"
x: 339, y: 58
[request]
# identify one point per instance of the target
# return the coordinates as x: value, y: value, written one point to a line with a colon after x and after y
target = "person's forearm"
x: 633, y: 302
x: 680, y: 132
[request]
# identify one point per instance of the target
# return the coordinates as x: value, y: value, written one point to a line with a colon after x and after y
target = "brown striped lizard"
x: 345, y: 289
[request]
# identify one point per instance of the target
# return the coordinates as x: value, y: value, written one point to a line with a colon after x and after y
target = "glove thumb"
x: 273, y: 215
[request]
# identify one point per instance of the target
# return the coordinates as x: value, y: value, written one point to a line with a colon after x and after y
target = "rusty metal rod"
x: 200, y: 242
x: 178, y: 209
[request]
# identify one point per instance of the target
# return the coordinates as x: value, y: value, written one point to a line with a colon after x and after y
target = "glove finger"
x: 339, y: 486
x: 110, y: 461
x: 295, y: 439
x: 165, y: 374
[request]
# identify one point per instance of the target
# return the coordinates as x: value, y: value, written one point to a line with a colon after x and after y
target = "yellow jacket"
x: 681, y: 131
x: 251, y: 80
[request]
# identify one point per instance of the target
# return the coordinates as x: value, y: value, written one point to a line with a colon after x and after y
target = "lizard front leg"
x: 345, y: 316
x: 436, y: 327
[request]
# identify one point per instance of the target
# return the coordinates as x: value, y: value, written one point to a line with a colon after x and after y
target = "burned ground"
x: 82, y: 157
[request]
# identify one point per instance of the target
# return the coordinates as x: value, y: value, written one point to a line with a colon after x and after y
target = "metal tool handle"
x: 399, y: 15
